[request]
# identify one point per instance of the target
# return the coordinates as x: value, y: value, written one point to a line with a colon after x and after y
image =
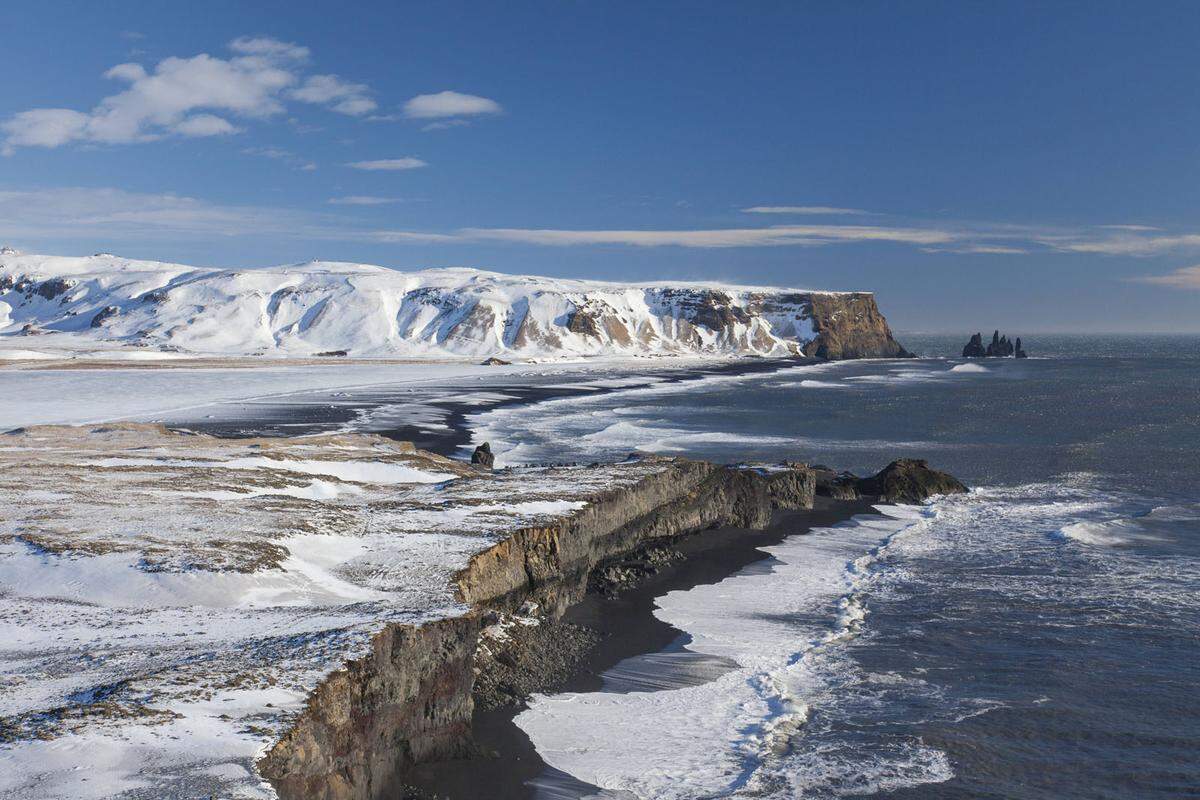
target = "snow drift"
x: 356, y: 309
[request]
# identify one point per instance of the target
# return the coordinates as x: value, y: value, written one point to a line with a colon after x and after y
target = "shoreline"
x: 454, y: 434
x: 507, y: 766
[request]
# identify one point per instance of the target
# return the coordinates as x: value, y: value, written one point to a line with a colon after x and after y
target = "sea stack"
x: 999, y: 347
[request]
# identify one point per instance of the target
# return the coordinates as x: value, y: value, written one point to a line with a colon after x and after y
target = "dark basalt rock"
x: 54, y: 287
x: 494, y: 362
x: 483, y: 456
x: 333, y: 353
x: 909, y: 480
x: 974, y: 348
x: 105, y: 314
x: 838, y: 485
x: 999, y: 347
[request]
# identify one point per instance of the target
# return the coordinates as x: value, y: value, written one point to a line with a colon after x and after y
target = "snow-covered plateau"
x: 147, y: 309
x: 169, y: 601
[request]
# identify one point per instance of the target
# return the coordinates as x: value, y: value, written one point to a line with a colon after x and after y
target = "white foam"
x: 783, y: 624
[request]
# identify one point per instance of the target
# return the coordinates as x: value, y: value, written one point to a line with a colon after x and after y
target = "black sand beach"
x: 509, y: 768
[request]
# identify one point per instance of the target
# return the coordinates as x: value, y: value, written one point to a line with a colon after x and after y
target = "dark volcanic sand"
x: 326, y: 410
x: 628, y: 628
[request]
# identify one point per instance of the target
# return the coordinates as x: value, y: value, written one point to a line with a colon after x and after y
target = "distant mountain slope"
x: 320, y: 307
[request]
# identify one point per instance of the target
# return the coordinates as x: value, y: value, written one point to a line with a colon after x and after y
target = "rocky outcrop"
x: 407, y: 701
x: 410, y: 699
x: 999, y: 347
x: 909, y: 480
x: 483, y: 456
x: 549, y: 565
x: 851, y: 326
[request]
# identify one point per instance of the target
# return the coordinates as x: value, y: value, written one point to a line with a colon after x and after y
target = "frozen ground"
x: 169, y: 600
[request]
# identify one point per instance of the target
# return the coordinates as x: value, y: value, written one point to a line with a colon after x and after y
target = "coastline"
x: 506, y: 766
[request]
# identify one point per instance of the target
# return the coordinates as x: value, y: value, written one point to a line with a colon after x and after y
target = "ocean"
x: 1039, y: 637
x: 1036, y: 638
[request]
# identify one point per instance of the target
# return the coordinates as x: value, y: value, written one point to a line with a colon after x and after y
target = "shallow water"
x: 1036, y: 638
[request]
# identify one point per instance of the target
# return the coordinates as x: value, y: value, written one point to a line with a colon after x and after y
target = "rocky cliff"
x: 321, y: 308
x: 410, y: 700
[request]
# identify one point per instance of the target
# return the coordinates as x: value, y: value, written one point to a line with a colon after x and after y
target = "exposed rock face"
x: 483, y: 456
x: 1020, y: 351
x: 850, y: 326
x: 410, y: 699
x: 909, y: 480
x: 406, y: 702
x: 999, y: 347
x: 105, y: 314
x: 838, y: 485
x: 550, y: 564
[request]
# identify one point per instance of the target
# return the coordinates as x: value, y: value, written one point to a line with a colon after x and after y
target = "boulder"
x: 483, y: 456
x: 909, y: 480
x: 494, y: 362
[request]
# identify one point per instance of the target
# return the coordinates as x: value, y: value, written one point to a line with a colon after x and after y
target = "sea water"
x: 1038, y: 637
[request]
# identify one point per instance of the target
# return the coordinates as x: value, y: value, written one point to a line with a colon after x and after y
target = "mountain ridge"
x: 367, y: 310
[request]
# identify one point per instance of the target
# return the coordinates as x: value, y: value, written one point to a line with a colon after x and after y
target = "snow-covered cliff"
x: 324, y: 307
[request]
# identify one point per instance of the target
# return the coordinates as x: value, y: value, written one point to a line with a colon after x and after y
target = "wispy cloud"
x: 978, y: 249
x: 190, y: 97
x: 361, y: 200
x: 449, y: 104
x: 279, y: 154
x: 1127, y: 244
x: 776, y: 236
x: 806, y: 210
x: 389, y: 164
x: 1183, y: 278
x: 445, y: 124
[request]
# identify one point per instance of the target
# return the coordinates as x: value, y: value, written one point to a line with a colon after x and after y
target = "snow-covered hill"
x: 361, y: 310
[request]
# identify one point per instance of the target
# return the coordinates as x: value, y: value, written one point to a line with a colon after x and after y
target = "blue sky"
x: 1025, y: 166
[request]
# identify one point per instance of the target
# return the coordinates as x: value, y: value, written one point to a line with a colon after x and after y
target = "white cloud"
x: 803, y: 235
x: 43, y: 127
x: 332, y: 91
x: 449, y: 104
x: 813, y: 210
x: 204, y: 125
x: 1124, y: 245
x: 361, y: 200
x: 189, y: 97
x: 267, y: 47
x: 389, y: 164
x: 1183, y: 278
